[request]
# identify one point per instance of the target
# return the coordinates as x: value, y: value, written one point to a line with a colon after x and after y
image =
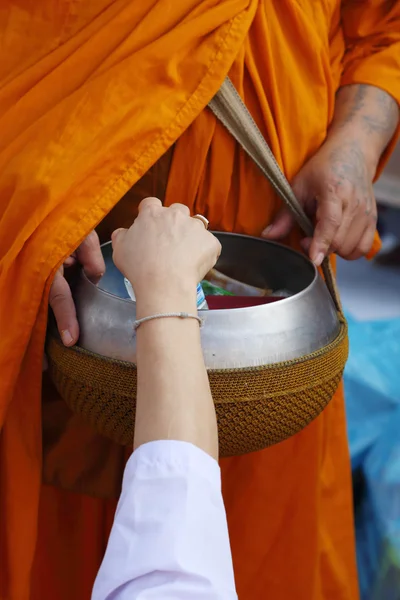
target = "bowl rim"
x: 246, y: 309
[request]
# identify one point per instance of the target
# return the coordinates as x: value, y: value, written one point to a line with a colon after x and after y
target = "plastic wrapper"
x: 372, y: 383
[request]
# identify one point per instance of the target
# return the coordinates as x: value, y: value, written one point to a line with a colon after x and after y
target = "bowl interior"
x: 247, y: 259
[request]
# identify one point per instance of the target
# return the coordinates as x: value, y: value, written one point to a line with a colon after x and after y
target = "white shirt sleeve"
x: 170, y: 538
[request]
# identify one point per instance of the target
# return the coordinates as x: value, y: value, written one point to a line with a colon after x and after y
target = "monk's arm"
x: 369, y: 94
x: 340, y: 174
x: 368, y: 116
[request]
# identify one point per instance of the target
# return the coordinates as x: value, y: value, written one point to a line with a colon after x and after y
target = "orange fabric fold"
x: 92, y: 95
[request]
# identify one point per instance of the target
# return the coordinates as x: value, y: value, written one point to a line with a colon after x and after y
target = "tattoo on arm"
x: 374, y: 108
x: 356, y: 106
x: 386, y: 118
x: 350, y: 172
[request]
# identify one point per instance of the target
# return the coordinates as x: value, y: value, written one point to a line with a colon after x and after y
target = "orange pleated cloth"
x: 92, y: 94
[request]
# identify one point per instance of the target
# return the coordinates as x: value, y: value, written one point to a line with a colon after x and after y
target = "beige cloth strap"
x: 230, y: 109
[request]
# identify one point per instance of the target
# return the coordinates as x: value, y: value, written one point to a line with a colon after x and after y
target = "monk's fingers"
x: 341, y: 237
x: 329, y: 217
x: 149, y: 203
x: 364, y: 243
x: 280, y: 226
x: 70, y: 261
x: 90, y: 256
x: 349, y: 242
x: 63, y: 307
x: 306, y: 244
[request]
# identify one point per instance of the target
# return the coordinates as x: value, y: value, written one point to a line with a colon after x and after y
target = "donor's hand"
x: 89, y: 255
x: 165, y: 253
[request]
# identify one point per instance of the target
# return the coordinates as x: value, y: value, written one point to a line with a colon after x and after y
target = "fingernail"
x: 96, y: 278
x: 66, y: 337
x: 266, y: 231
x: 318, y: 261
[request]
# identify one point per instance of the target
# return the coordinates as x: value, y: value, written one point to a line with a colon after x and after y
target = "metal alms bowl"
x: 231, y: 338
x: 272, y: 368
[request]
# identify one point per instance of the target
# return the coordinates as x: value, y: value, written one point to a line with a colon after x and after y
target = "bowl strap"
x: 230, y: 109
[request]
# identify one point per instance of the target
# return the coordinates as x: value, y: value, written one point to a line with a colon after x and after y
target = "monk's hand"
x: 335, y: 190
x: 335, y: 185
x: 89, y: 255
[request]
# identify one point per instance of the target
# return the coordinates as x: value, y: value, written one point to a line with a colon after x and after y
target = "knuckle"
x: 353, y: 256
x: 344, y: 251
x: 336, y: 245
x: 332, y: 219
x: 58, y: 298
x: 367, y: 211
x: 90, y: 240
x: 218, y: 247
x: 92, y: 235
x: 356, y: 206
x: 332, y: 187
x: 151, y: 201
x: 150, y: 210
x: 180, y: 206
x: 60, y: 292
x: 365, y: 246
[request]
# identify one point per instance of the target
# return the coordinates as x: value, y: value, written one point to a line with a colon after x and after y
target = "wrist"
x: 367, y: 116
x: 353, y: 138
x: 172, y: 298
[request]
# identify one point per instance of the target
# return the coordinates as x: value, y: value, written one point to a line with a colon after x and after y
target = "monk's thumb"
x: 280, y: 227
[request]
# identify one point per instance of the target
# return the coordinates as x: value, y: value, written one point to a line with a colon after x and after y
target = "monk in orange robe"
x: 99, y: 95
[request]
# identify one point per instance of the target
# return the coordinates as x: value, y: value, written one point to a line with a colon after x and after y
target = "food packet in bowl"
x: 234, y: 287
x: 201, y: 300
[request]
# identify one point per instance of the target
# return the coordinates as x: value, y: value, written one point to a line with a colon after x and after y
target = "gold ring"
x: 203, y: 220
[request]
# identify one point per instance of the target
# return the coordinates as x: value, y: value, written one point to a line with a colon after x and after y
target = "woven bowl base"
x: 256, y: 407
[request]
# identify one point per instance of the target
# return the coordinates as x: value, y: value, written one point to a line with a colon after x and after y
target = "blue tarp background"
x: 372, y: 383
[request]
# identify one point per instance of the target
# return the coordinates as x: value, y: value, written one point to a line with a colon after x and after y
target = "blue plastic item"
x: 372, y: 384
x: 378, y: 522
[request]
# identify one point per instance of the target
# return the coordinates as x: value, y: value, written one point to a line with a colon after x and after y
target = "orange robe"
x: 92, y: 93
